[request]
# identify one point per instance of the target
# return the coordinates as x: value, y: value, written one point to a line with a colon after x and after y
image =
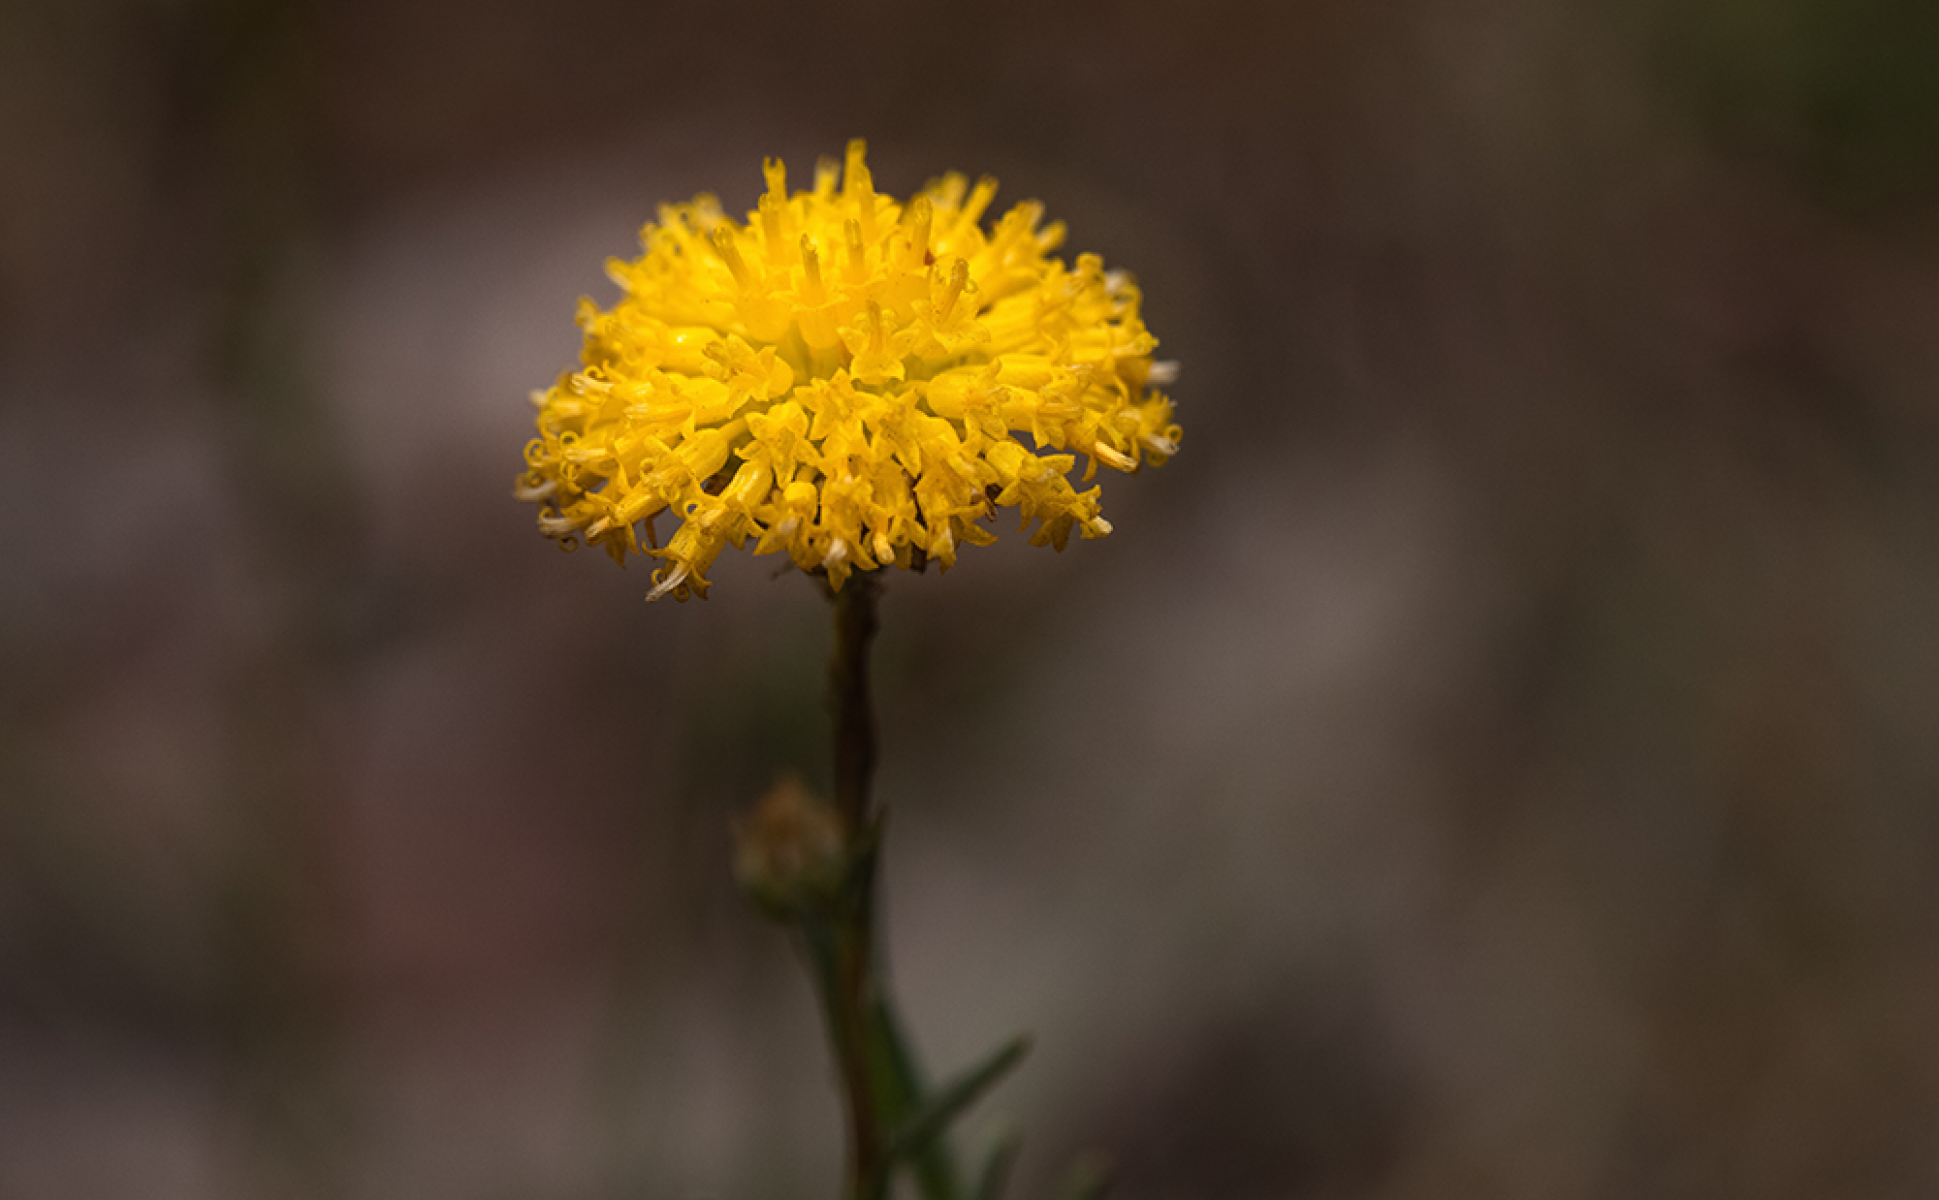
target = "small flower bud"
x: 791, y: 852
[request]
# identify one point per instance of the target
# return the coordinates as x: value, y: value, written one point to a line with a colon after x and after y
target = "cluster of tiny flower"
x: 845, y: 379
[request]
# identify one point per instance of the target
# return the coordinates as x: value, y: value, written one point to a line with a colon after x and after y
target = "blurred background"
x: 1498, y: 758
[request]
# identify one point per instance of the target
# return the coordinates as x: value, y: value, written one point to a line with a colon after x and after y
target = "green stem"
x: 848, y: 682
x: 881, y: 1083
x: 849, y: 991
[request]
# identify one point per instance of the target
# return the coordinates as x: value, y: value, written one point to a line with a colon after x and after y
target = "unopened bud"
x: 791, y: 851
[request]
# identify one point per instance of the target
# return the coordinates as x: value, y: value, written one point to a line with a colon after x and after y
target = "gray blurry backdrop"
x: 1498, y: 758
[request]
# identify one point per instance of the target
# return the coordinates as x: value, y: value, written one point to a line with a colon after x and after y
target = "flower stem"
x: 850, y: 989
x: 881, y: 1082
x: 848, y: 682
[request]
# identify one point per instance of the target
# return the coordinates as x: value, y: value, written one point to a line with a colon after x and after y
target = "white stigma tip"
x: 539, y: 492
x: 555, y: 524
x: 675, y: 578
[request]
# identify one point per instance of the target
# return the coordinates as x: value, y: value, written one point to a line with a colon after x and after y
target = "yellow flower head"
x: 847, y: 378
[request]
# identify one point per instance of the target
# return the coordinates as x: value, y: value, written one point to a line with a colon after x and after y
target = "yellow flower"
x: 847, y: 379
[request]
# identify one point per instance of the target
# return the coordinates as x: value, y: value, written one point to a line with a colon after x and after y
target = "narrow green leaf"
x: 1088, y: 1178
x: 949, y: 1102
x: 996, y: 1169
x: 905, y: 1091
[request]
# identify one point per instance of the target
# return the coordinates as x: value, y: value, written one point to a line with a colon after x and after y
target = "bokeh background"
x: 1498, y: 758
